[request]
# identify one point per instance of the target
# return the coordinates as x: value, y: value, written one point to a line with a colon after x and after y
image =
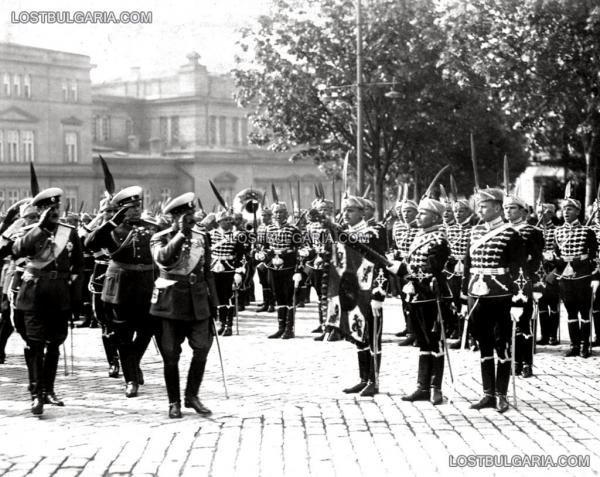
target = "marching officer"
x: 494, y: 256
x: 423, y: 271
x: 575, y: 247
x: 54, y: 259
x: 226, y: 255
x: 184, y: 295
x: 129, y: 281
x: 549, y: 303
x: 279, y: 255
x: 95, y: 285
x: 404, y: 234
x: 517, y: 212
x: 268, y: 303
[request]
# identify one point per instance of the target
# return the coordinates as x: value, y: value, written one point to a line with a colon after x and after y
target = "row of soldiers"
x: 167, y: 278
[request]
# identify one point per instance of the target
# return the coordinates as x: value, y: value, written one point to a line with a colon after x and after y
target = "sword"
x: 512, y: 361
x: 376, y: 343
x: 65, y: 359
x: 440, y: 319
x: 220, y: 356
x: 463, y: 339
x: 72, y: 369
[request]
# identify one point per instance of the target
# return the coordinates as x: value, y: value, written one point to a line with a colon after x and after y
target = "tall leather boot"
x: 50, y: 367
x: 437, y: 374
x: 422, y: 393
x: 194, y: 380
x: 488, y: 380
x: 36, y: 360
x: 544, y: 320
x: 372, y: 386
x: 289, y: 324
x: 266, y: 300
x: 229, y: 321
x: 171, y: 374
x: 281, y: 318
x: 585, y: 339
x: 271, y: 302
x: 112, y: 355
x: 222, y: 311
x: 575, y: 337
x: 409, y: 340
x: 553, y: 324
x: 129, y: 365
x: 27, y: 353
x: 363, y: 371
x: 502, y: 380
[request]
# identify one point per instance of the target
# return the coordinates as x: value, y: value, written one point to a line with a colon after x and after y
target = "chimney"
x: 193, y: 58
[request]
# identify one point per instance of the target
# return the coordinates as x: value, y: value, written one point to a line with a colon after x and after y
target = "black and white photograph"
x: 299, y: 238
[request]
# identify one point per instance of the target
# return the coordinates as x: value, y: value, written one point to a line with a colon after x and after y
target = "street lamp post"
x: 359, y: 108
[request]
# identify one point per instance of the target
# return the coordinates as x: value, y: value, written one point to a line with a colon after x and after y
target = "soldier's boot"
x: 502, y: 380
x: 50, y: 368
x: 488, y: 379
x: 553, y: 324
x: 544, y: 321
x: 229, y: 321
x: 422, y: 393
x: 266, y: 300
x: 372, y: 386
x: 271, y: 298
x: 334, y: 334
x: 527, y: 355
x: 319, y: 328
x: 140, y: 343
x: 437, y: 374
x: 575, y: 337
x: 28, y: 354
x: 112, y: 355
x: 6, y: 330
x: 409, y: 339
x: 596, y: 318
x: 363, y: 371
x: 222, y: 311
x: 171, y: 375
x: 129, y: 366
x: 289, y: 324
x: 302, y: 296
x: 585, y: 338
x: 36, y: 362
x: 194, y: 380
x: 281, y: 318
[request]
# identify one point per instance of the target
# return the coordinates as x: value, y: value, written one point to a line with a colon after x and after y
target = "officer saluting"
x: 183, y: 296
x: 496, y: 252
x: 129, y: 280
x: 54, y: 259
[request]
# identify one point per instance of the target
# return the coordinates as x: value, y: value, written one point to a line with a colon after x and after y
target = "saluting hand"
x: 119, y: 217
x: 185, y: 223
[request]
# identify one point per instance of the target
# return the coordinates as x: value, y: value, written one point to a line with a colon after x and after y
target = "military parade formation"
x: 485, y: 272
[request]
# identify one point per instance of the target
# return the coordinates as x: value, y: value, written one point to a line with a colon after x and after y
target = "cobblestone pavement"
x: 287, y: 415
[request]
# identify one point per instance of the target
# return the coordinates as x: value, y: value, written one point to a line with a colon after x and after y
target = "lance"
x: 345, y: 171
x: 291, y: 195
x: 220, y: 356
x: 298, y: 194
x: 474, y: 162
x: 34, y: 185
x: 109, y: 182
x: 505, y: 174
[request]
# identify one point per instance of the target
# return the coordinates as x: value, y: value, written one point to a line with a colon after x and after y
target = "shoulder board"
x: 27, y: 228
x: 62, y: 224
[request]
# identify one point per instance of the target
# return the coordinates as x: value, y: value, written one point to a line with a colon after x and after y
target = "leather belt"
x: 488, y: 271
x: 50, y: 275
x: 283, y: 250
x: 191, y: 278
x: 585, y: 256
x: 132, y: 267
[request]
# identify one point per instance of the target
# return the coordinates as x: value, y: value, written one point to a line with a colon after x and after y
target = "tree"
x: 537, y: 60
x: 297, y: 70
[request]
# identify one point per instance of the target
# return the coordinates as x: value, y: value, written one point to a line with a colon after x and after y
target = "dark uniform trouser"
x: 596, y: 317
x: 263, y: 278
x: 171, y: 335
x: 108, y: 334
x: 549, y: 311
x: 524, y: 335
x: 6, y: 327
x: 577, y: 297
x: 428, y: 335
x: 492, y: 327
x: 316, y: 280
x: 127, y: 321
x: 226, y: 309
x: 366, y: 349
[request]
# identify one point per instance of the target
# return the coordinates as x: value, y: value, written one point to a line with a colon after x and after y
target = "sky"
x: 178, y: 28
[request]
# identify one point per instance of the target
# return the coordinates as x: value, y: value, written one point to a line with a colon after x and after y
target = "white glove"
x: 297, y: 278
x: 237, y: 279
x: 240, y: 270
x: 394, y: 267
x: 595, y: 284
x: 303, y: 252
x: 260, y: 256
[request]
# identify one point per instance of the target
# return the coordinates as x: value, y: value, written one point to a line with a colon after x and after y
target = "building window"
x: 27, y: 146
x: 174, y: 129
x: 12, y: 142
x: 70, y: 199
x: 212, y: 130
x: 65, y: 91
x: 17, y: 85
x: 73, y: 91
x: 27, y: 86
x: 71, y: 143
x: 12, y: 196
x: 163, y: 128
x: 222, y: 130
x: 105, y: 128
x: 6, y: 84
x: 128, y: 127
x: 235, y: 131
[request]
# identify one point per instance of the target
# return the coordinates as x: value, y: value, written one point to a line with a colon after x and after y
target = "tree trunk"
x: 590, y: 170
x: 378, y: 189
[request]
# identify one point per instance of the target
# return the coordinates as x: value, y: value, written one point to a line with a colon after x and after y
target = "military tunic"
x: 548, y: 304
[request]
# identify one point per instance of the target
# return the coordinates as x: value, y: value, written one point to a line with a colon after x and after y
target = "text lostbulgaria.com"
x: 78, y: 16
x: 525, y: 460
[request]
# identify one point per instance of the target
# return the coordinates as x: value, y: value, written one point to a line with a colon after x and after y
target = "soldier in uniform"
x: 183, y: 297
x: 279, y: 255
x: 404, y: 233
x: 226, y: 256
x: 95, y: 285
x: 494, y: 256
x: 595, y: 226
x: 575, y: 248
x: 549, y: 303
x: 54, y: 259
x: 423, y: 271
x: 517, y: 212
x: 268, y: 303
x: 129, y: 281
